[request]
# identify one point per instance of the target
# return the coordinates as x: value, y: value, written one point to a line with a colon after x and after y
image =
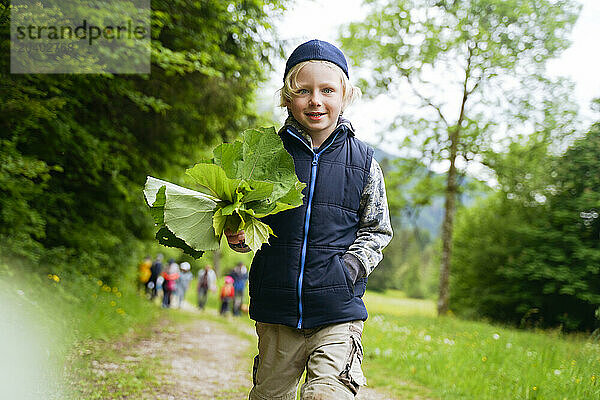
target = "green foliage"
x: 474, y: 69
x: 247, y: 180
x: 409, y: 264
x: 75, y: 149
x: 540, y: 265
x: 492, y: 54
x: 410, y: 185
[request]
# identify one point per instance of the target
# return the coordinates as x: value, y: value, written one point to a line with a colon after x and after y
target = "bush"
x: 535, y: 262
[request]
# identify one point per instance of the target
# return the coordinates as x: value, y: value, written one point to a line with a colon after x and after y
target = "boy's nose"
x: 315, y: 99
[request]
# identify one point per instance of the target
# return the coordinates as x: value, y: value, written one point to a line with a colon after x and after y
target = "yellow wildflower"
x: 100, y: 283
x: 115, y: 290
x: 118, y: 294
x: 113, y: 303
x: 55, y: 278
x: 535, y: 388
x: 484, y: 358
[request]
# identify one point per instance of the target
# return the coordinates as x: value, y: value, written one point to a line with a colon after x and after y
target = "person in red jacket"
x: 169, y: 284
x: 227, y: 294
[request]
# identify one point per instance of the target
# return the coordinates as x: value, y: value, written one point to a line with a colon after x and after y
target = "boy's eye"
x: 303, y: 91
x: 328, y: 90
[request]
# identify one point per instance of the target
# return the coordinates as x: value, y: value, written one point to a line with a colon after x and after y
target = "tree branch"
x: 428, y: 101
x: 476, y: 84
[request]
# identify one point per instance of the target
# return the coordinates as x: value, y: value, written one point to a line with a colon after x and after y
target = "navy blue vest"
x: 299, y: 278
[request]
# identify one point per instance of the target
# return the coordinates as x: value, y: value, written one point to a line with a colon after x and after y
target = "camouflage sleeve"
x: 375, y: 229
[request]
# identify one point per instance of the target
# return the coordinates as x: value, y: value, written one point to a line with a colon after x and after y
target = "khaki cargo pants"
x: 331, y: 355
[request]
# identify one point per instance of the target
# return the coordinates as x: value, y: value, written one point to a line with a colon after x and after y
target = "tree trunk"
x: 217, y: 261
x: 451, y: 190
x: 447, y: 229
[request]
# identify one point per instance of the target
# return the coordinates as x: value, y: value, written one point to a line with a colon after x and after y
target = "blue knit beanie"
x: 316, y: 50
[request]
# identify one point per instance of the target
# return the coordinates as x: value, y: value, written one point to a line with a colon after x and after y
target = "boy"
x: 306, y: 286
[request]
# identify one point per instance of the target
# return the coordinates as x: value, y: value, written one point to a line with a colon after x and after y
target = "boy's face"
x: 319, y: 101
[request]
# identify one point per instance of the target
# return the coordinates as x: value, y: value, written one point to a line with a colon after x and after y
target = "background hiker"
x: 155, y: 271
x: 183, y: 282
x: 169, y: 284
x: 240, y: 277
x: 206, y: 281
x: 144, y: 273
x: 227, y: 293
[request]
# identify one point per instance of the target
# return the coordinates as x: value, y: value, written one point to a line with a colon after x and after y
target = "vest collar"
x: 342, y: 124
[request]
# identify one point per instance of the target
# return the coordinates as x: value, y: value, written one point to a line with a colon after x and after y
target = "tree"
x: 541, y: 264
x: 75, y: 149
x: 490, y: 55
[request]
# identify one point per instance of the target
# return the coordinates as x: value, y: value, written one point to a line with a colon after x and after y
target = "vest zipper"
x: 313, y: 178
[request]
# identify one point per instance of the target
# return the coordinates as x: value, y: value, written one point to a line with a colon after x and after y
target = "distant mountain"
x: 381, y: 155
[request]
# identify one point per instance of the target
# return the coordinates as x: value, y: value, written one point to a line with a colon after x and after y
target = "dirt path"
x: 199, y: 360
x: 205, y: 362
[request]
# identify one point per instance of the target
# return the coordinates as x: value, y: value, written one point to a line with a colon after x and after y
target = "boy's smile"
x: 318, y: 102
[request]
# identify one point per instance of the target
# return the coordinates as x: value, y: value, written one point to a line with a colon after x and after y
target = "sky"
x: 309, y: 19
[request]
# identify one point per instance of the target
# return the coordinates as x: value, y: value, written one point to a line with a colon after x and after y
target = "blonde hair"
x: 290, y: 86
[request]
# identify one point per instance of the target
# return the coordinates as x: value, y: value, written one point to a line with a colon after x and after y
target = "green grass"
x: 410, y: 352
x: 52, y: 321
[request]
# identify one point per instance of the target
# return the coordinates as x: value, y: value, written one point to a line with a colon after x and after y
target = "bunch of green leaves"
x: 246, y: 180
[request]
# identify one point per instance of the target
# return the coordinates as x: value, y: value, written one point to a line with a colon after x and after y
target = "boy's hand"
x: 235, y: 238
x: 236, y: 241
x: 354, y: 266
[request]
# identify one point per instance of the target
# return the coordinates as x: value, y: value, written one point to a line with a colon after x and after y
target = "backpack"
x: 227, y: 291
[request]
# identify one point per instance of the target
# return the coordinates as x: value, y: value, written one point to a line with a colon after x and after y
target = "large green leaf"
x: 265, y: 159
x: 157, y: 209
x: 257, y: 190
x: 229, y: 156
x: 261, y: 157
x: 214, y: 178
x: 190, y: 217
x: 187, y: 214
x: 249, y: 180
x: 256, y: 232
x: 167, y: 238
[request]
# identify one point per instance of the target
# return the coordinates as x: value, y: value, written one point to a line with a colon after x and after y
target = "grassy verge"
x: 51, y: 321
x: 458, y: 359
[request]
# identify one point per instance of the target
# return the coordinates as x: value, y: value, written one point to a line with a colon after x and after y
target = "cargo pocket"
x: 352, y: 375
